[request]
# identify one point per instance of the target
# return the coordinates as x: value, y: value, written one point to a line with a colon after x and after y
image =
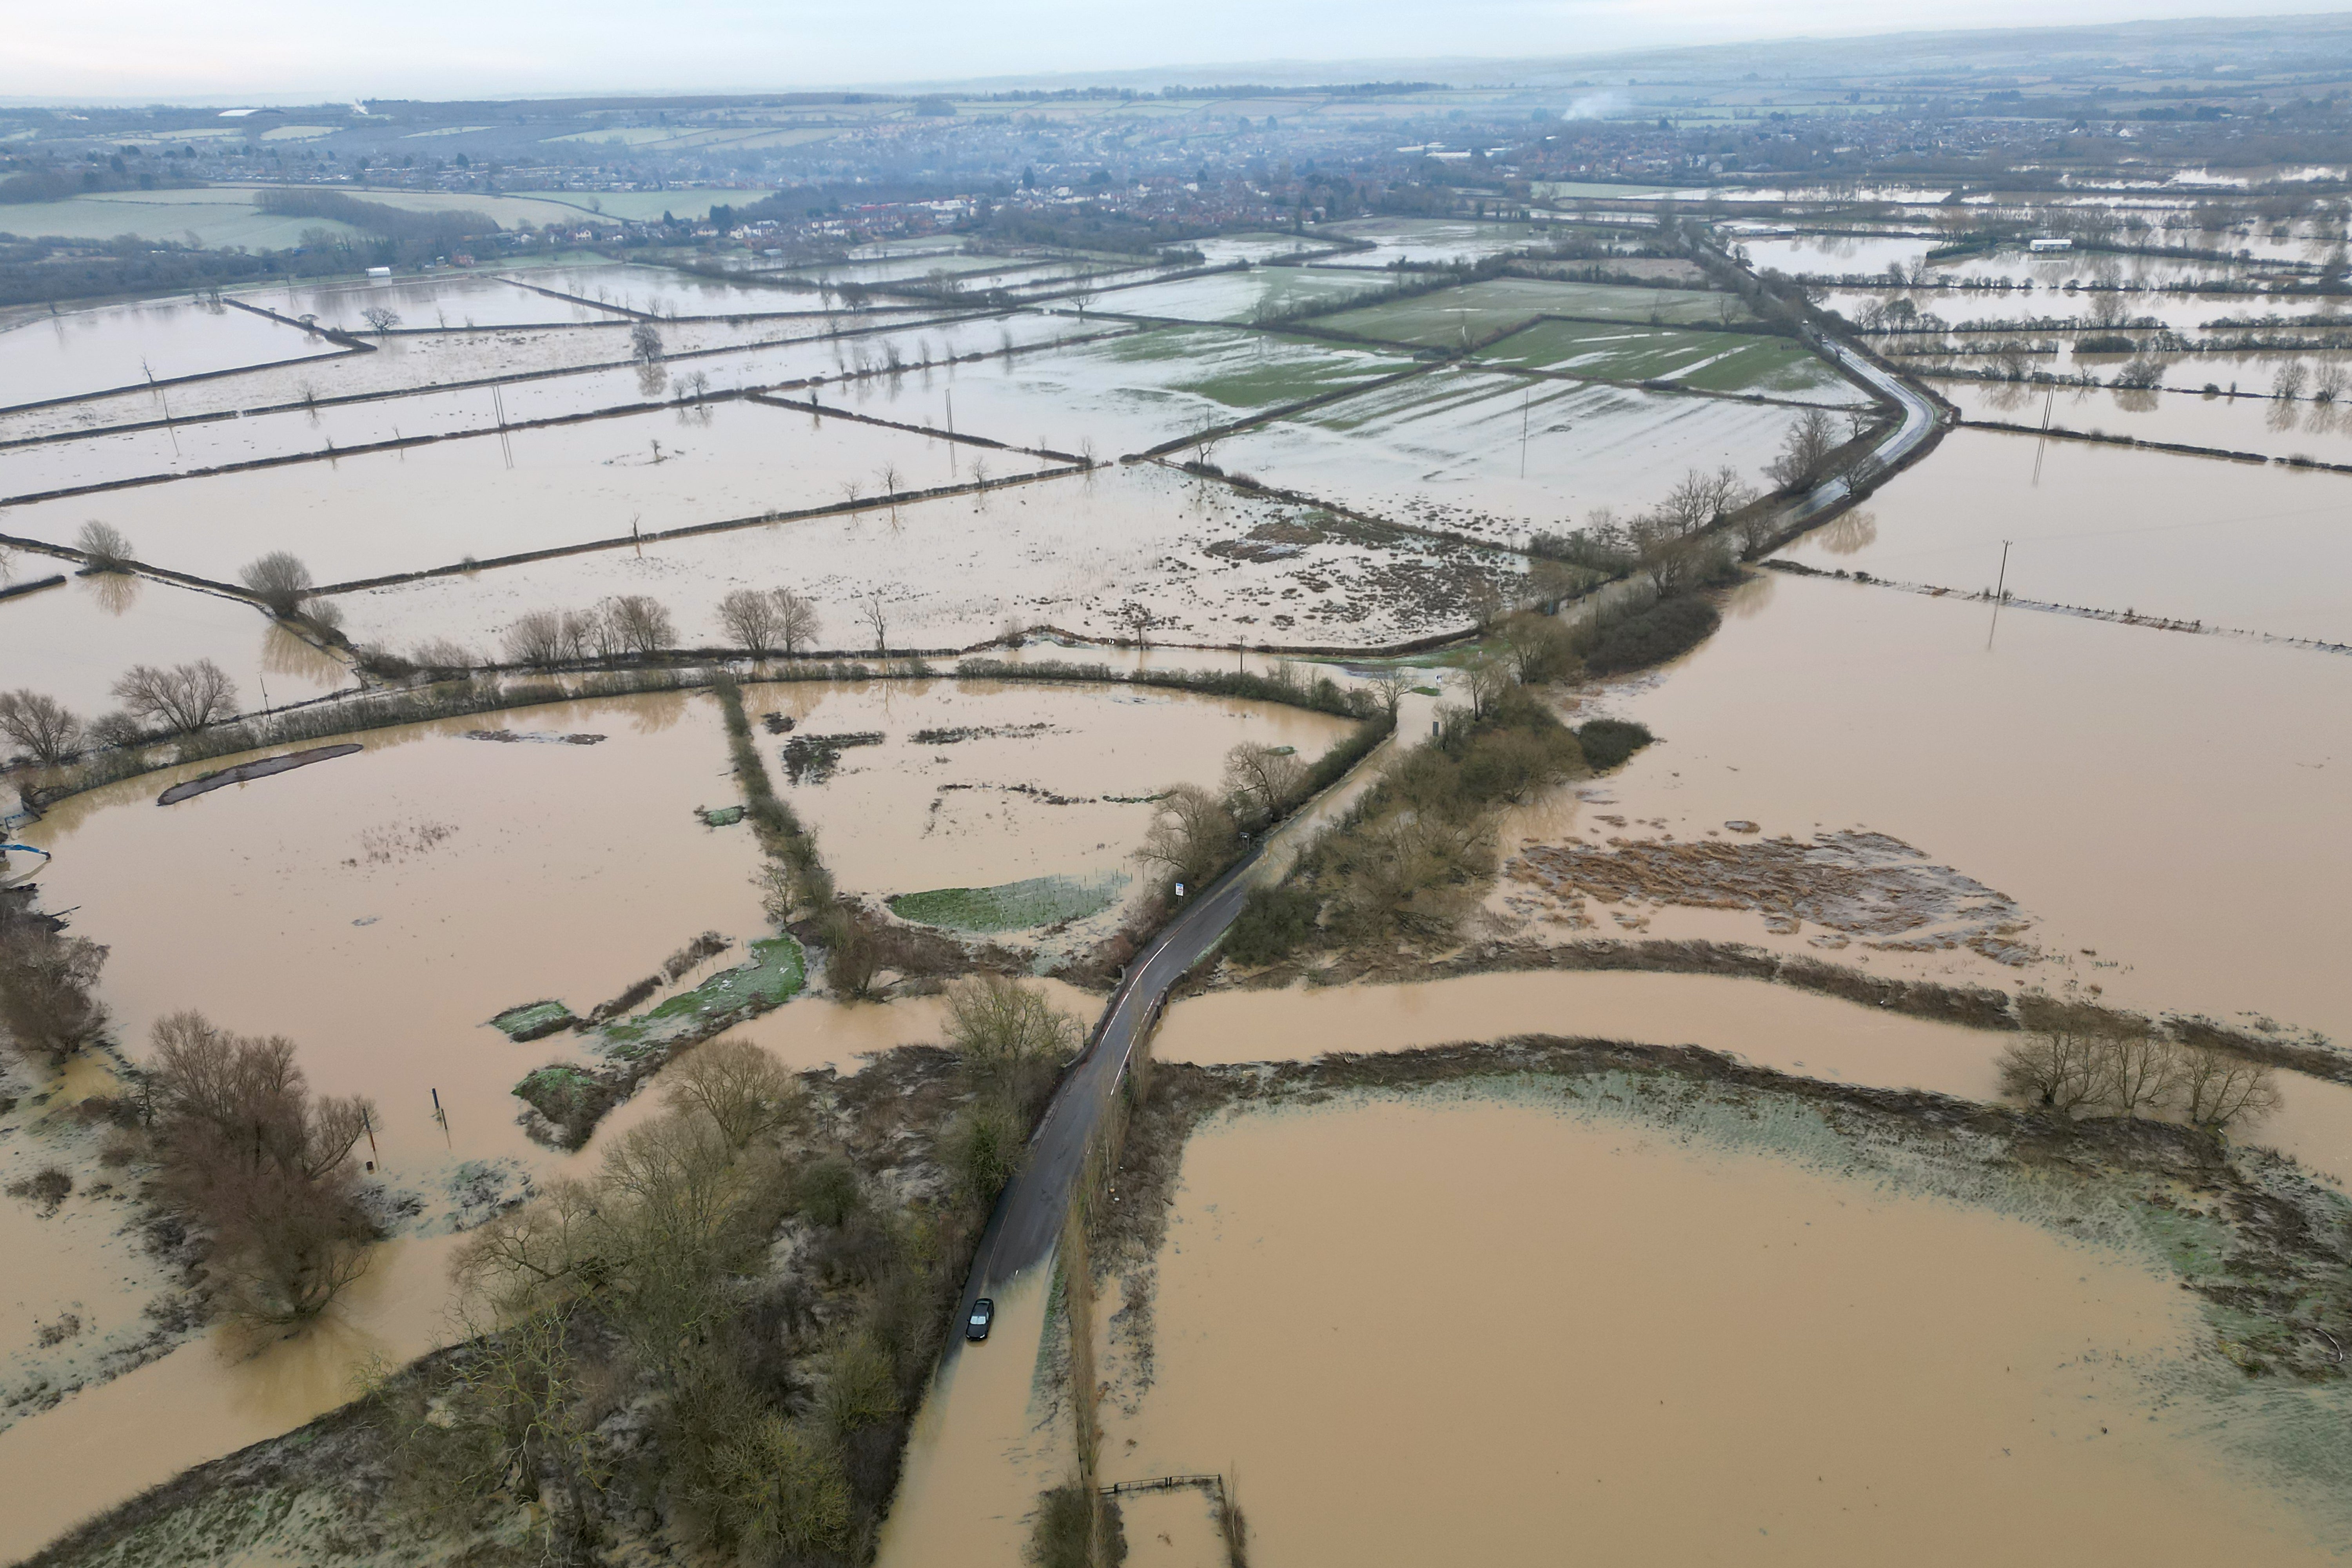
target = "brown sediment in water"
x: 2167, y: 803
x: 1773, y: 1025
x: 1421, y: 1331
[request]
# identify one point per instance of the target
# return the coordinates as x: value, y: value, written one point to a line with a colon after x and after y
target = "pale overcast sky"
x: 442, y: 49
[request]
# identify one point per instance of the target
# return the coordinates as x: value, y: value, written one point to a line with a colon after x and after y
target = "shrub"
x: 1666, y: 628
x: 1608, y: 742
x: 741, y: 1089
x: 826, y: 1191
x: 1274, y: 923
x: 982, y: 1146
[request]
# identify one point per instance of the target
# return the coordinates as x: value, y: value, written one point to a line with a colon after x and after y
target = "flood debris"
x: 1857, y: 884
x: 533, y: 737
x: 812, y: 759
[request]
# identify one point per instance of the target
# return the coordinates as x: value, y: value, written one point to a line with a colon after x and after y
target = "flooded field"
x: 429, y: 304
x: 1427, y: 239
x: 2271, y: 426
x: 1125, y: 393
x: 1707, y: 361
x: 1728, y: 1314
x: 1451, y: 318
x: 79, y: 353
x: 77, y: 638
x: 914, y: 811
x: 2162, y: 800
x: 491, y: 495
x: 1772, y: 1025
x: 1210, y: 564
x: 2184, y: 538
x: 1499, y: 455
x: 1238, y: 296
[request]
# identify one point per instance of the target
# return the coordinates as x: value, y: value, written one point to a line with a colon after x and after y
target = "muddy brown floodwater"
x: 1774, y: 1026
x: 2171, y: 803
x: 1423, y: 1333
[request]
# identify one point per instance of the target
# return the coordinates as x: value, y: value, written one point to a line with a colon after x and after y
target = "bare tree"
x: 381, y: 319
x: 186, y: 697
x: 1262, y: 780
x: 2218, y: 1090
x: 796, y: 621
x: 2057, y: 1071
x: 1804, y: 451
x: 2328, y: 385
x: 47, y: 986
x: 1014, y: 1042
x: 537, y: 638
x: 751, y: 620
x: 893, y: 481
x: 1390, y: 686
x: 103, y: 547
x: 2288, y: 383
x: 1139, y: 620
x: 263, y: 1165
x: 1191, y: 837
x: 2137, y: 1070
x: 741, y: 1089
x: 876, y: 619
x: 279, y: 581
x: 39, y: 723
x: 640, y: 624
x: 645, y: 343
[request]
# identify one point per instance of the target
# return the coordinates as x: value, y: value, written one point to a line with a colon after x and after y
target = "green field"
x: 1451, y: 317
x: 1249, y: 370
x: 1012, y: 906
x: 774, y: 975
x: 1708, y: 362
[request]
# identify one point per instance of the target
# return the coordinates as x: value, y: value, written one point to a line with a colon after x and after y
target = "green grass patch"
x: 721, y: 816
x: 1707, y: 361
x: 1446, y: 317
x: 772, y: 976
x: 533, y: 1020
x: 1012, y: 906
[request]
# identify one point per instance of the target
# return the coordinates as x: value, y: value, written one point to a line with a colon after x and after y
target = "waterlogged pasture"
x: 2166, y: 801
x: 441, y: 302
x: 1708, y: 361
x: 984, y: 785
x: 1499, y: 455
x: 2233, y: 545
x: 663, y: 291
x: 1124, y: 393
x: 1663, y: 1300
x: 1456, y: 318
x: 1208, y: 563
x: 1428, y: 239
x: 486, y: 496
x: 2274, y: 427
x: 380, y: 908
x: 74, y: 641
x: 1835, y: 254
x: 1238, y: 296
x: 77, y: 353
x: 423, y: 362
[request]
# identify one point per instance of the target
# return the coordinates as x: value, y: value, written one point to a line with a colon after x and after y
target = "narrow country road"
x: 1028, y: 1217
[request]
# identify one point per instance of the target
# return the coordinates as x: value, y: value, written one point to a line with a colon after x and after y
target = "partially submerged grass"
x: 774, y: 974
x: 1010, y: 906
x: 533, y: 1020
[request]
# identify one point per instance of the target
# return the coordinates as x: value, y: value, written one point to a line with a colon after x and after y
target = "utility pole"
x: 1999, y: 591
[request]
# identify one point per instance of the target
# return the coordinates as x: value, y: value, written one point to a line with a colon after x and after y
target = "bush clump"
x: 1274, y: 923
x: 1668, y: 628
x: 1608, y: 742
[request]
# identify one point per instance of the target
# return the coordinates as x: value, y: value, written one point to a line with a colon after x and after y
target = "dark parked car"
x: 984, y: 1312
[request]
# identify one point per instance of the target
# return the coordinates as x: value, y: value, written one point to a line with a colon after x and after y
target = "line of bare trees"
x: 623, y: 625
x: 2085, y: 1061
x: 179, y: 698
